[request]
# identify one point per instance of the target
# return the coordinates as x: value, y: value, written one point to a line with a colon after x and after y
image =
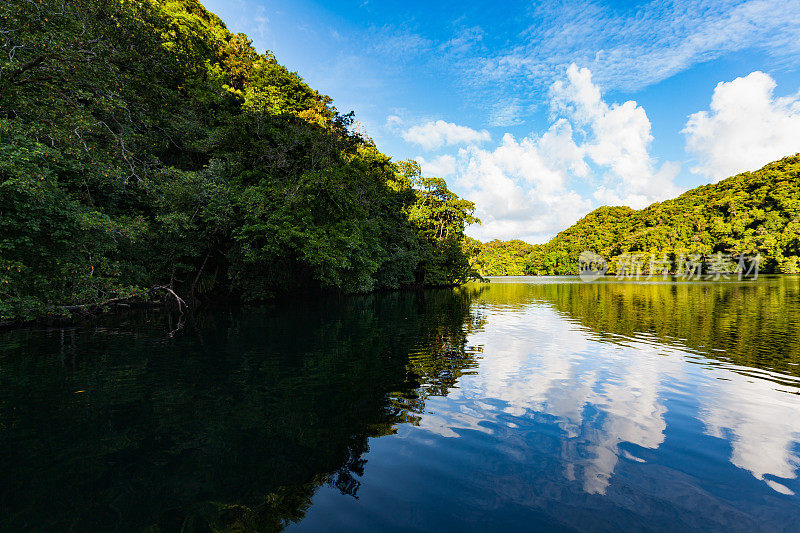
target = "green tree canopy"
x: 143, y: 145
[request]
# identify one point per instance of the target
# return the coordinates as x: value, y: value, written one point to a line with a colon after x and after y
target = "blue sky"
x: 540, y: 112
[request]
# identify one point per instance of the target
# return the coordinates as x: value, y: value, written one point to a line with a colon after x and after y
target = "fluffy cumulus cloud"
x: 745, y: 127
x: 440, y: 166
x: 435, y: 134
x: 528, y: 188
x: 519, y: 190
x: 618, y: 140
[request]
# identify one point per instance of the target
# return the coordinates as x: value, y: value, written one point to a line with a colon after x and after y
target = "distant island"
x: 754, y: 213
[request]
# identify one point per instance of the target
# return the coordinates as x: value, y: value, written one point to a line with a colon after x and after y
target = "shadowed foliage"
x: 144, y: 145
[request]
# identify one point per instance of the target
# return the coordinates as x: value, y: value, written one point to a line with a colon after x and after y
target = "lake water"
x: 524, y: 404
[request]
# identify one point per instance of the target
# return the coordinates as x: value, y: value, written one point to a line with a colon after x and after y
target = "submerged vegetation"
x: 754, y: 213
x: 144, y: 145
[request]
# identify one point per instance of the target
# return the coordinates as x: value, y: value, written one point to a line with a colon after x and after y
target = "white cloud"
x: 635, y: 48
x: 440, y: 166
x: 528, y: 188
x: 626, y: 49
x: 519, y: 189
x: 463, y: 41
x: 745, y: 128
x: 400, y: 44
x: 618, y: 140
x: 432, y: 135
x: 506, y: 113
x: 393, y: 122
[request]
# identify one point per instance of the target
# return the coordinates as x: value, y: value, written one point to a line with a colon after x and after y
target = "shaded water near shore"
x: 527, y: 403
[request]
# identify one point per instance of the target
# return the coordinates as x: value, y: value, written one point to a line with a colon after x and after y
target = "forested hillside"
x: 750, y: 213
x: 145, y: 148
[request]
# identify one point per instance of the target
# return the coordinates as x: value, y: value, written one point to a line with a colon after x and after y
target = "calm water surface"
x: 524, y: 404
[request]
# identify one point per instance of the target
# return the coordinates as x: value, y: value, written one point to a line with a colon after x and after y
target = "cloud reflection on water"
x: 605, y: 394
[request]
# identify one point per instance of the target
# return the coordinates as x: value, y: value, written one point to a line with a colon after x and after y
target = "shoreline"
x: 81, y: 313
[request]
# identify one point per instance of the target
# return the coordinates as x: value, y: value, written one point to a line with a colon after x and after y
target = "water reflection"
x: 603, y: 395
x: 661, y: 406
x: 234, y: 422
x: 756, y: 324
x: 522, y: 404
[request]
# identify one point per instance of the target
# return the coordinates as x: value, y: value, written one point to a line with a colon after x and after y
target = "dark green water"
x: 526, y: 404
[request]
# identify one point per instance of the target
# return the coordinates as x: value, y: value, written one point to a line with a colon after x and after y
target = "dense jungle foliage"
x: 143, y: 145
x: 754, y: 213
